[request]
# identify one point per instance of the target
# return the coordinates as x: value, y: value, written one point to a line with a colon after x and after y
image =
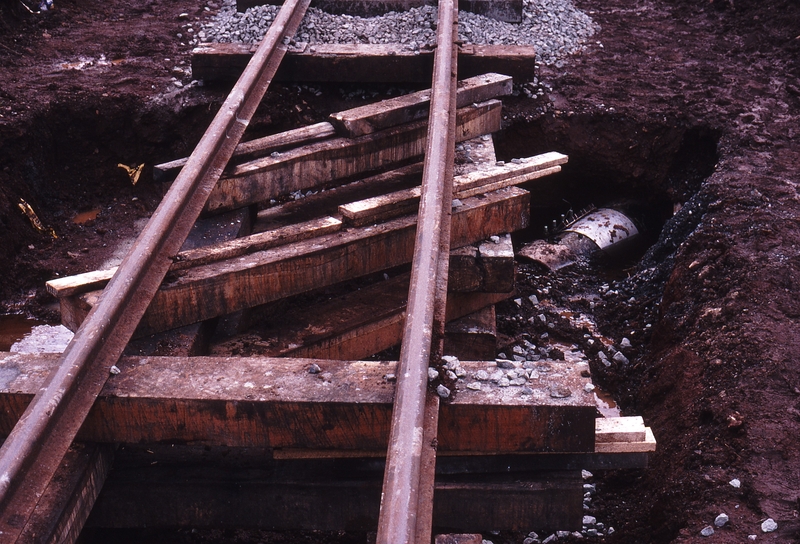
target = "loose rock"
x: 769, y: 525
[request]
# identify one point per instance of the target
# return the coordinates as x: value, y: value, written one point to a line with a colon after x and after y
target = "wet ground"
x: 685, y: 113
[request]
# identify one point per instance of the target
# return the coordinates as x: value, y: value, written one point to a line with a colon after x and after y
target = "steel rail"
x: 37, y: 444
x: 406, y: 500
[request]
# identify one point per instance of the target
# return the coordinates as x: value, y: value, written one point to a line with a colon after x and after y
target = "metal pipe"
x: 400, y: 505
x: 37, y: 444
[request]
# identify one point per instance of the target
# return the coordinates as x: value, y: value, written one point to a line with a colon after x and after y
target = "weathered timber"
x: 364, y: 63
x: 327, y: 202
x: 414, y: 106
x: 256, y: 148
x: 354, y: 325
x: 63, y: 509
x: 289, y: 234
x: 472, y: 337
x: 488, y: 267
x: 276, y: 403
x: 318, y: 165
x: 338, y: 498
x: 623, y: 435
x: 509, y: 11
x: 225, y: 287
x: 620, y: 429
x: 487, y: 179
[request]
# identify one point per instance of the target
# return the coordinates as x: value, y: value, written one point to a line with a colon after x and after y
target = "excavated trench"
x: 66, y: 167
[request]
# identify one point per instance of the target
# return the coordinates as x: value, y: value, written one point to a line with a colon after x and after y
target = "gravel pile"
x: 555, y: 27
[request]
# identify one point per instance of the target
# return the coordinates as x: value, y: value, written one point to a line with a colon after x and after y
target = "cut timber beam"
x: 509, y: 11
x: 623, y: 435
x: 414, y: 106
x: 473, y: 337
x: 256, y: 148
x: 277, y: 403
x: 364, y: 63
x: 318, y: 165
x: 63, y: 509
x: 382, y: 207
x: 489, y: 267
x: 225, y: 287
x: 354, y: 325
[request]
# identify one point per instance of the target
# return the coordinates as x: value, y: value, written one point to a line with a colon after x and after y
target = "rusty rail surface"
x: 37, y: 444
x: 407, y: 498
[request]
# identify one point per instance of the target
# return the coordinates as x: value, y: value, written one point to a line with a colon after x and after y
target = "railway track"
x: 159, y: 287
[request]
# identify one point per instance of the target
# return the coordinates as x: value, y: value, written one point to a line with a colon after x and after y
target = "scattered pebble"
x: 442, y: 391
x: 432, y: 374
x: 585, y: 474
x: 114, y: 370
x: 735, y: 483
x: 475, y: 386
x: 721, y: 520
x: 560, y: 392
x: 314, y: 369
x: 708, y: 530
x: 620, y: 358
x: 769, y: 525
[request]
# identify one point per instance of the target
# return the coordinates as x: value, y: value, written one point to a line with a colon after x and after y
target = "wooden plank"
x: 345, y: 499
x: 256, y: 148
x: 488, y: 267
x: 276, y: 403
x: 414, y: 106
x: 221, y: 288
x: 385, y: 206
x: 364, y: 63
x: 496, y: 258
x: 472, y: 337
x: 245, y: 245
x: 327, y: 202
x: 83, y: 283
x: 509, y: 11
x: 646, y: 445
x: 354, y: 325
x: 317, y: 165
x: 63, y: 509
x: 620, y: 429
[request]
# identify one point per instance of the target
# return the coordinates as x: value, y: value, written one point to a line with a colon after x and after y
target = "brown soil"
x: 686, y: 103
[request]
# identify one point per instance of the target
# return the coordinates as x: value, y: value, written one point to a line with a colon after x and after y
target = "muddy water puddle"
x: 13, y: 328
x: 21, y: 334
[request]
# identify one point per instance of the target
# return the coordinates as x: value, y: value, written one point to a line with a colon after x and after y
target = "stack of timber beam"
x: 318, y: 261
x: 245, y: 441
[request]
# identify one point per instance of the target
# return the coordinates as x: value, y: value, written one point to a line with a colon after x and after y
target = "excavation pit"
x: 718, y: 382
